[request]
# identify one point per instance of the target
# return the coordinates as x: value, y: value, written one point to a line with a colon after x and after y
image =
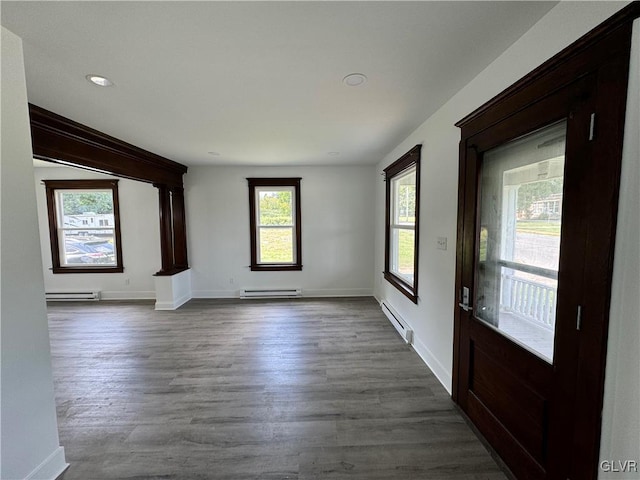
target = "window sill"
x: 87, y: 269
x: 275, y: 268
x: 410, y: 292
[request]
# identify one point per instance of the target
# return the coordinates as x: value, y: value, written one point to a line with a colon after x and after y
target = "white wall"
x: 337, y: 230
x: 621, y: 416
x: 140, y: 230
x: 432, y: 318
x: 29, y: 435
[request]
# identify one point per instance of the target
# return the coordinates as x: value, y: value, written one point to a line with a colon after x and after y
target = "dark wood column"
x: 173, y: 231
x: 179, y: 228
x: 166, y: 230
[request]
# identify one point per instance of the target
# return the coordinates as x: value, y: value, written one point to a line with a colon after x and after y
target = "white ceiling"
x: 260, y: 82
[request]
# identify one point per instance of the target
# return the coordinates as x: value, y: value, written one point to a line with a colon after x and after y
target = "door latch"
x: 465, y: 300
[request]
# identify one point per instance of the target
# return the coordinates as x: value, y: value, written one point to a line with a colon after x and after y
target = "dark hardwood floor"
x: 230, y: 389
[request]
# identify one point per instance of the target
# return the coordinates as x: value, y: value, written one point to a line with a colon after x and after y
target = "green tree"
x: 276, y: 208
x: 407, y: 202
x: 79, y: 203
x: 534, y: 191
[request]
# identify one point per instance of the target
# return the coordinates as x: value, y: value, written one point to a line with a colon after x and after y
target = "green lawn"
x: 540, y: 227
x: 406, y: 240
x: 275, y: 245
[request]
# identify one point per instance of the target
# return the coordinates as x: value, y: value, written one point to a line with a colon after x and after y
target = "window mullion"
x: 403, y: 227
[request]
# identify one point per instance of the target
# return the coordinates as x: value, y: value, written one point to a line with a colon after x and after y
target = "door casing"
x: 600, y: 61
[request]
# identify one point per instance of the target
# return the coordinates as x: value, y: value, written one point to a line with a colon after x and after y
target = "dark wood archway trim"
x: 61, y: 140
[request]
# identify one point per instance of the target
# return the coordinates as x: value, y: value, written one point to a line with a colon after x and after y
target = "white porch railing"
x: 534, y: 301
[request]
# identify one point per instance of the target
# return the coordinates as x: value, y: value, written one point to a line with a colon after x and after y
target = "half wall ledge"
x: 173, y: 290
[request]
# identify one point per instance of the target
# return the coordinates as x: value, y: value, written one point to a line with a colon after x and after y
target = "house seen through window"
x: 519, y: 242
x: 84, y: 226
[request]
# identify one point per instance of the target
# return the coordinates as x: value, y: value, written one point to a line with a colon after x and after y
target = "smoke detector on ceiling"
x: 354, y: 79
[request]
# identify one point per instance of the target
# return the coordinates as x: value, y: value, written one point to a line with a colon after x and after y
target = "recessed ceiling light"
x: 99, y: 80
x: 333, y: 154
x: 215, y: 154
x: 354, y: 79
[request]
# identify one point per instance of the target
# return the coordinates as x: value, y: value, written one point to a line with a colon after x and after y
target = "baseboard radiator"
x: 249, y: 293
x: 72, y: 296
x: 398, y: 322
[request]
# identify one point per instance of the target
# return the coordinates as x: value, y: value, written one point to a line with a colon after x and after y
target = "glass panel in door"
x: 520, y: 214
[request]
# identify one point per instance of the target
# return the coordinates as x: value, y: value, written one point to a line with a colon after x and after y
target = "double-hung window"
x: 84, y: 226
x: 401, y: 232
x: 274, y: 212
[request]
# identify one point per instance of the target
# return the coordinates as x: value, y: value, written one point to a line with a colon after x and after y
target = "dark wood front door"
x: 539, y: 176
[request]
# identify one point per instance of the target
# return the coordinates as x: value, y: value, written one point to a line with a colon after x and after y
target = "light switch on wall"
x: 441, y: 243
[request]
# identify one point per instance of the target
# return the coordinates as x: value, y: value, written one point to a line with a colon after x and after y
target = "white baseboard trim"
x: 343, y: 292
x: 216, y: 293
x: 125, y: 295
x: 173, y: 305
x: 434, y: 365
x: 347, y: 292
x: 51, y: 468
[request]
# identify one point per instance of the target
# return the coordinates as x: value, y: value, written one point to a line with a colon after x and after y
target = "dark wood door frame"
x: 602, y: 55
x: 60, y: 140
